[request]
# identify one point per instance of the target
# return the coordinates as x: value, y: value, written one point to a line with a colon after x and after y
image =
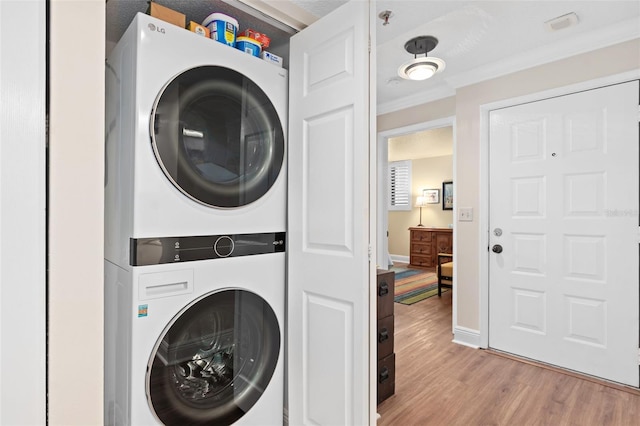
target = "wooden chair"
x: 445, y: 271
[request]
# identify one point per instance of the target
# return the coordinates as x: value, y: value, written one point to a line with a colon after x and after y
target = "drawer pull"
x: 383, y: 290
x: 384, y: 375
x: 383, y: 335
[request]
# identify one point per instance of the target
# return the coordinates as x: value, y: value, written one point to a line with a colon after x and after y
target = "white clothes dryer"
x: 195, y: 139
x: 197, y: 342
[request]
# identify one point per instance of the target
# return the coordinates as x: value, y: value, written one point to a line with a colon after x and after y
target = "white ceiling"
x: 478, y: 39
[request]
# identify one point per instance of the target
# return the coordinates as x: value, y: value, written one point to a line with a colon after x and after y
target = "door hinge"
x: 370, y: 252
x: 638, y: 356
x: 369, y: 43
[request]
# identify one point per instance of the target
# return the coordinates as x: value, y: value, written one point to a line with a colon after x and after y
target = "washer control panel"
x: 156, y: 251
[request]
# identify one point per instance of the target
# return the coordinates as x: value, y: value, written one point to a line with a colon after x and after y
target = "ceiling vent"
x: 562, y: 22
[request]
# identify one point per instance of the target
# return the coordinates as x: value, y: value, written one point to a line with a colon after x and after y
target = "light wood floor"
x: 442, y: 383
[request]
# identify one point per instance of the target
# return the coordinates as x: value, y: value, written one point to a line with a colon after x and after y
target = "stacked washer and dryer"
x: 195, y: 214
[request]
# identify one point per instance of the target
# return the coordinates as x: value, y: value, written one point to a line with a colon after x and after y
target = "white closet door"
x: 328, y: 232
x: 22, y: 213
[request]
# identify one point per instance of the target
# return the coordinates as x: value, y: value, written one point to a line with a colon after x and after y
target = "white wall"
x: 22, y: 213
x: 76, y: 177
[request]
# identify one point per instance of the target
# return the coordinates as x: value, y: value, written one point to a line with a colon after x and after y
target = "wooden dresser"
x: 426, y: 243
x: 386, y: 377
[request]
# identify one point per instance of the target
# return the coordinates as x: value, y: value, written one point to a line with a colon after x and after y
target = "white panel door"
x: 328, y: 223
x: 564, y: 199
x: 23, y: 338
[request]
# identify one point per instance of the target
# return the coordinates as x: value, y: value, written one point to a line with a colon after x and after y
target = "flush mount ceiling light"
x: 424, y: 67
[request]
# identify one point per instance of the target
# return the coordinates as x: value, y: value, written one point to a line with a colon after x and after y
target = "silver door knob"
x: 496, y: 248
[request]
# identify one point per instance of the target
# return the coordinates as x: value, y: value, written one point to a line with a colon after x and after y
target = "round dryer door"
x: 217, y: 137
x: 212, y: 363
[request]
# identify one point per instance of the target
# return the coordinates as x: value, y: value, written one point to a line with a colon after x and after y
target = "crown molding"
x: 613, y: 34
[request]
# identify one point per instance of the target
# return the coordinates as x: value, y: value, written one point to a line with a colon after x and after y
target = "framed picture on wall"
x: 447, y: 195
x: 431, y: 196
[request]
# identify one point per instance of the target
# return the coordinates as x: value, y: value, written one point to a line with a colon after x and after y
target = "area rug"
x: 416, y: 287
x: 405, y: 272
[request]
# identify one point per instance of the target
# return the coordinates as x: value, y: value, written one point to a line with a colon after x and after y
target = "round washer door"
x: 217, y: 137
x: 212, y: 363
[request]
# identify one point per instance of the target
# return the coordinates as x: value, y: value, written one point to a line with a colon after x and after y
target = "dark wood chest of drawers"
x: 386, y: 377
x: 426, y: 243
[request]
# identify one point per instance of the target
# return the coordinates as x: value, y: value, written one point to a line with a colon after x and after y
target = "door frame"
x: 382, y: 223
x: 483, y: 219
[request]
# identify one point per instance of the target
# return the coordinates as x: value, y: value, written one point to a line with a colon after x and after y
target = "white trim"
x: 454, y: 281
x: 416, y: 99
x: 382, y: 223
x: 483, y: 210
x: 373, y: 203
x: 614, y: 34
x: 383, y: 219
x: 483, y: 228
x: 399, y: 258
x: 382, y: 248
x: 466, y: 337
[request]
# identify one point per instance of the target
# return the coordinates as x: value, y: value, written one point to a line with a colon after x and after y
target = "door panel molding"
x: 329, y: 272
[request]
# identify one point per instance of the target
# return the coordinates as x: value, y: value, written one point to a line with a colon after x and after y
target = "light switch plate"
x: 465, y: 214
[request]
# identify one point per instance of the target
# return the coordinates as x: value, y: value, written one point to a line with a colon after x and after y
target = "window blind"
x: 400, y: 185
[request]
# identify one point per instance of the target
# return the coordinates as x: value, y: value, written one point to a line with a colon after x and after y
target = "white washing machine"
x: 199, y: 342
x: 195, y: 219
x: 195, y: 139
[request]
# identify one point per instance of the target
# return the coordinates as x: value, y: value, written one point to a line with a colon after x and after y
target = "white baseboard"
x: 466, y: 337
x: 399, y: 258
